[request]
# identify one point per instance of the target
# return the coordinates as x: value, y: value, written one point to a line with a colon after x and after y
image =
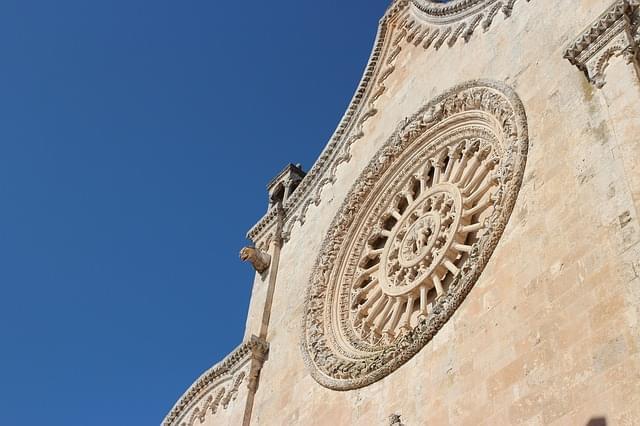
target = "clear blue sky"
x: 136, y: 140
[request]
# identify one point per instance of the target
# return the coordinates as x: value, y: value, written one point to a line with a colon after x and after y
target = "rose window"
x: 413, y: 235
x: 421, y: 239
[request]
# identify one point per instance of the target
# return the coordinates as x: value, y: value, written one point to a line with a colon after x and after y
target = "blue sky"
x: 136, y: 140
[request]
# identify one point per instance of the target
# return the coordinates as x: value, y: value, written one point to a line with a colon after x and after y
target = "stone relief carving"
x: 233, y: 392
x: 431, y: 23
x: 210, y: 405
x: 414, y: 234
x: 258, y: 259
x: 405, y: 24
x: 615, y: 33
x: 219, y: 386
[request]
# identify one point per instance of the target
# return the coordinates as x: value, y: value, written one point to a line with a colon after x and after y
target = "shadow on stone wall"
x: 597, y: 421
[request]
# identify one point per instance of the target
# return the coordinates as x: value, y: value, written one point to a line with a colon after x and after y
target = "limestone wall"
x: 549, y: 334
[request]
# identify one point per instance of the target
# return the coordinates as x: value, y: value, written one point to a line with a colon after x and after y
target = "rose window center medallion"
x: 423, y: 235
x: 414, y: 234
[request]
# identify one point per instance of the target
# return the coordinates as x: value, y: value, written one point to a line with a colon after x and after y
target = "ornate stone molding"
x: 406, y: 24
x: 414, y: 234
x: 218, y: 387
x: 268, y: 229
x: 431, y: 24
x: 613, y: 34
x: 372, y: 85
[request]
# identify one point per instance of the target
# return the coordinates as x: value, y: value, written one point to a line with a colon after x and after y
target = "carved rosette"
x: 414, y: 234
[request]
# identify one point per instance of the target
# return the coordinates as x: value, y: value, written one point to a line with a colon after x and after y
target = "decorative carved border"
x: 253, y: 352
x: 614, y: 33
x: 433, y: 24
x: 404, y: 24
x: 342, y: 373
x: 380, y: 66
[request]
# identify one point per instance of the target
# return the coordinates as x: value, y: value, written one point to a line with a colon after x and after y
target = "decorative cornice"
x: 614, y: 33
x: 253, y: 349
x: 289, y: 169
x: 406, y: 23
x: 268, y: 229
x: 449, y: 9
x: 361, y: 105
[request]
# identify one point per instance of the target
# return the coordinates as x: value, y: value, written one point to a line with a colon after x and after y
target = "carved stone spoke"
x: 432, y: 235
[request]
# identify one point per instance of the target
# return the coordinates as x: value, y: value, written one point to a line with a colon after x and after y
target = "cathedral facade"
x: 466, y: 249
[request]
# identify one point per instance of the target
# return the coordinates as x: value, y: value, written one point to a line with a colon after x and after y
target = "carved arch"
x: 603, y: 62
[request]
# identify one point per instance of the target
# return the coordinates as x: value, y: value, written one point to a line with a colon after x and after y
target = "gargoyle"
x: 259, y: 259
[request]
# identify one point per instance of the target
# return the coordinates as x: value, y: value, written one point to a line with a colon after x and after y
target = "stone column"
x: 265, y: 258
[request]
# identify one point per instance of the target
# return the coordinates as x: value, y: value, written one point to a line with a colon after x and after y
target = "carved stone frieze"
x: 615, y: 33
x: 414, y: 234
x: 219, y: 386
x: 432, y: 24
x: 406, y: 24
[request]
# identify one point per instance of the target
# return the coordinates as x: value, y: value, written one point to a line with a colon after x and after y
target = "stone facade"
x: 466, y: 249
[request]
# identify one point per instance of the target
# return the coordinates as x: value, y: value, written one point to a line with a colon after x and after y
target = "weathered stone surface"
x: 550, y: 332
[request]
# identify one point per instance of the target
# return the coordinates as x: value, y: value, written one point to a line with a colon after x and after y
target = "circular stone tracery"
x: 420, y: 239
x: 414, y: 234
x: 426, y: 230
